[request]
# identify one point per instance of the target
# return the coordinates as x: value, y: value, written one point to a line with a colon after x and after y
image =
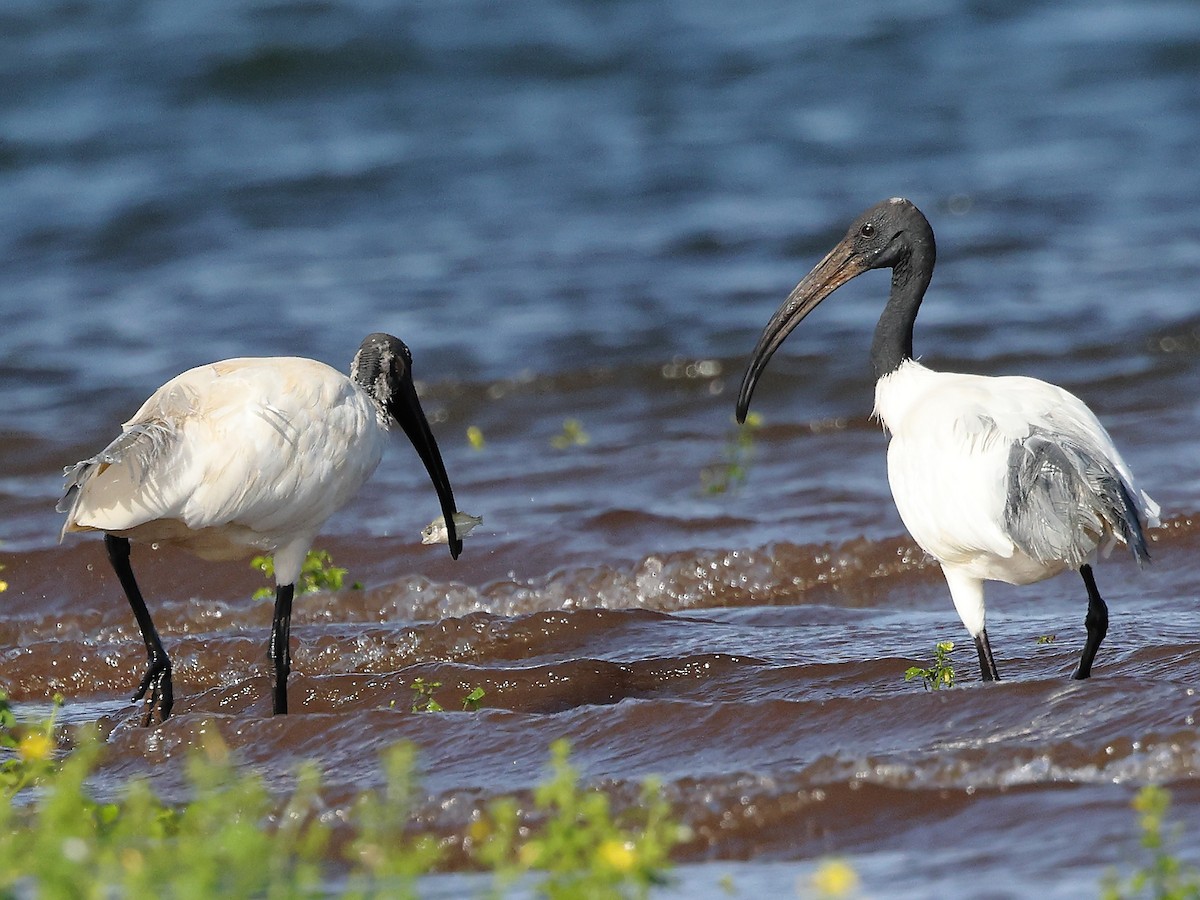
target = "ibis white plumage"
x: 248, y: 456
x: 998, y: 478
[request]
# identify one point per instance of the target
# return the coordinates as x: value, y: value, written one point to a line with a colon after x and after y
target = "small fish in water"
x: 435, y: 532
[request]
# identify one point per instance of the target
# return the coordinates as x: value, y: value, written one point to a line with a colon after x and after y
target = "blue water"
x: 554, y: 188
x: 589, y: 210
x: 540, y: 185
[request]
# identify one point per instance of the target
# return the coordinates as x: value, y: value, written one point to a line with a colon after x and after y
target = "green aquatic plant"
x: 60, y: 842
x: 581, y: 848
x: 423, y: 700
x: 317, y: 574
x: 27, y: 750
x: 734, y: 467
x: 387, y: 857
x: 1046, y: 639
x: 572, y: 435
x: 1163, y: 876
x: 940, y: 674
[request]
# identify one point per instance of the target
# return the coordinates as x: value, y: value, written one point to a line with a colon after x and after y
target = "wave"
x: 59, y: 594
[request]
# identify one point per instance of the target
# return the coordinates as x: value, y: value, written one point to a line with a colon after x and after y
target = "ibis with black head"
x: 1000, y: 478
x: 248, y: 456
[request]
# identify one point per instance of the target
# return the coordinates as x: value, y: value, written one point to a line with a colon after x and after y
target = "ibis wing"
x: 122, y: 485
x: 126, y: 462
x: 1066, y: 496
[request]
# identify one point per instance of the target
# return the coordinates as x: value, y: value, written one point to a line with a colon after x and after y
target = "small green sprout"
x: 318, y: 574
x: 940, y: 674
x: 731, y: 472
x: 475, y: 437
x: 423, y: 700
x: 572, y: 435
x: 1164, y: 876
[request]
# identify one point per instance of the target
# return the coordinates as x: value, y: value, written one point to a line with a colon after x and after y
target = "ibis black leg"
x: 987, y: 665
x: 281, y: 634
x: 157, y: 679
x: 1096, y: 622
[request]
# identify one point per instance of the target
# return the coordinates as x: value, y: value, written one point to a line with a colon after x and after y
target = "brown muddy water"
x: 763, y: 683
x: 587, y: 212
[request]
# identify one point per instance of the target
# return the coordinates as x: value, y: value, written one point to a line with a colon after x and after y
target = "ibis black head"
x: 383, y: 368
x: 893, y: 234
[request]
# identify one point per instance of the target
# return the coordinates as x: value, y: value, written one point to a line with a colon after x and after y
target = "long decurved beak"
x: 839, y: 266
x: 405, y: 408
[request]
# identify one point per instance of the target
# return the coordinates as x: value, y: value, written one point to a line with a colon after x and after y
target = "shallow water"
x: 588, y: 211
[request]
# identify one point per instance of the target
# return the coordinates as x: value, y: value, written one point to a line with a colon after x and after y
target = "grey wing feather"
x: 138, y: 445
x: 1064, y: 498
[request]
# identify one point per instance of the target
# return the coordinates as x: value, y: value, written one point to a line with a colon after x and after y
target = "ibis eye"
x: 867, y: 230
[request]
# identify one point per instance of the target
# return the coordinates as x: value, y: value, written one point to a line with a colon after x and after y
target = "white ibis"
x: 998, y: 478
x: 244, y: 456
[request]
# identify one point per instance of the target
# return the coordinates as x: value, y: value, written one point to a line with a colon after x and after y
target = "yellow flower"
x: 834, y: 878
x: 35, y: 747
x: 132, y: 861
x: 617, y: 855
x: 529, y: 854
x: 479, y: 830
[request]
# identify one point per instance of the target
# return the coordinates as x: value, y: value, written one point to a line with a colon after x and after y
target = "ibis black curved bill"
x: 841, y: 264
x: 405, y: 408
